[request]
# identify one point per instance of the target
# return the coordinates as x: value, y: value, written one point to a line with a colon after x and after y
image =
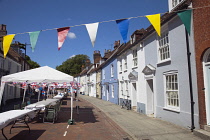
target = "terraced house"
x: 164, y: 76
x: 14, y: 62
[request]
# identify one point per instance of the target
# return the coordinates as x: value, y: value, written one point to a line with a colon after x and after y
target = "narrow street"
x: 90, y: 124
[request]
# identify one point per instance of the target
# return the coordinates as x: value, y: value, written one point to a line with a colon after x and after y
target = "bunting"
x: 92, y: 31
x: 123, y: 27
x: 33, y: 39
x: 7, y: 40
x: 92, y: 28
x: 186, y: 19
x: 62, y: 33
x: 155, y: 21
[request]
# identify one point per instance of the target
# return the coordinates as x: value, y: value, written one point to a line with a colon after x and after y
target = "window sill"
x: 164, y: 61
x: 134, y: 67
x: 172, y: 109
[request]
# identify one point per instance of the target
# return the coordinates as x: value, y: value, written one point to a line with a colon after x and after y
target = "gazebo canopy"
x: 42, y: 74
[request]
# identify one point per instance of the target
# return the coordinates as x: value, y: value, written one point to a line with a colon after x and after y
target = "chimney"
x: 3, y: 32
x: 116, y: 44
x: 96, y: 57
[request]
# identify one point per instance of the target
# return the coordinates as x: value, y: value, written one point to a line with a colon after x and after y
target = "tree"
x: 73, y: 65
x: 32, y: 63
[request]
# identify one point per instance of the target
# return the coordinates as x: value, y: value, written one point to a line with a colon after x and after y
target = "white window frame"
x: 132, y: 39
x: 112, y: 91
x: 103, y: 73
x: 121, y: 87
x: 125, y: 63
x: 175, y: 3
x: 171, y: 86
x: 104, y: 90
x: 112, y: 70
x: 135, y: 57
x: 164, y: 47
x: 120, y: 65
x: 126, y: 88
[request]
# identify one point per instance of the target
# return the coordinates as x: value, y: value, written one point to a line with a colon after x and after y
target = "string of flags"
x: 36, y: 85
x: 92, y: 28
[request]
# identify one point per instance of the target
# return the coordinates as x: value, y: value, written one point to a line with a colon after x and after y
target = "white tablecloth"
x: 59, y: 96
x: 41, y: 104
x: 12, y: 115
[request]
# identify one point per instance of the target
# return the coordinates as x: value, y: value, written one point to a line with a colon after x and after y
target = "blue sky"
x: 34, y: 15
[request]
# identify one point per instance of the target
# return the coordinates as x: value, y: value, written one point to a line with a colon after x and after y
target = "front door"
x: 208, y: 94
x: 150, y: 98
x: 107, y: 92
x: 134, y: 95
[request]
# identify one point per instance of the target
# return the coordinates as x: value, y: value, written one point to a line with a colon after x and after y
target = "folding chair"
x: 50, y: 114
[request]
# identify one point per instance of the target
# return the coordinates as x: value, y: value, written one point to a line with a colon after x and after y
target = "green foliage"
x: 72, y: 66
x: 32, y: 63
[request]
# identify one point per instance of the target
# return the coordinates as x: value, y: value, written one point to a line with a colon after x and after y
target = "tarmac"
x: 140, y: 126
x: 90, y: 123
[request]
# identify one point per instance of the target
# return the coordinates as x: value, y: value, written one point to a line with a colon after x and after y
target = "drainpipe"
x: 190, y: 82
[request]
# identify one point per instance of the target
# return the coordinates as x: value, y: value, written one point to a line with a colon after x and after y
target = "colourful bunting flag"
x: 155, y: 21
x: 62, y: 33
x: 7, y: 40
x: 123, y: 27
x: 92, y: 31
x: 33, y: 39
x: 186, y: 19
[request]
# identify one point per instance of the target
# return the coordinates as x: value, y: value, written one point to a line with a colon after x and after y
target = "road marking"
x: 67, y: 126
x: 65, y: 133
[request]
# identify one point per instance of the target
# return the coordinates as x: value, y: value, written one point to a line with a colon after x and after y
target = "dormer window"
x: 174, y: 3
x: 133, y: 39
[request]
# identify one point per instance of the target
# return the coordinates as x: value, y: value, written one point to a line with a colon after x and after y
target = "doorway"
x: 134, y: 91
x: 206, y: 71
x: 107, y: 92
x: 150, y: 98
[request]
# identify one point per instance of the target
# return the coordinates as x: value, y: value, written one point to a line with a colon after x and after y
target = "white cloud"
x: 72, y: 56
x: 71, y: 35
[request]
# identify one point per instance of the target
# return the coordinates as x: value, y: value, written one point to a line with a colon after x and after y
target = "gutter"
x: 190, y: 81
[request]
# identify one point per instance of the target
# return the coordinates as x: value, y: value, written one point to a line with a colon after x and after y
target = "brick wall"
x: 201, y: 23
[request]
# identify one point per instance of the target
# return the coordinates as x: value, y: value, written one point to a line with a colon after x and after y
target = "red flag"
x: 62, y: 33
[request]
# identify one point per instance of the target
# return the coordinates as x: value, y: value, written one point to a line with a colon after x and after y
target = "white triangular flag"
x: 92, y: 31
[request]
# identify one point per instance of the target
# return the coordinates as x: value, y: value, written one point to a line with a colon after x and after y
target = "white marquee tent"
x: 43, y: 74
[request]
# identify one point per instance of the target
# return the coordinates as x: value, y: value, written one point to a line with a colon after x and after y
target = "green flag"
x: 186, y: 19
x: 33, y: 39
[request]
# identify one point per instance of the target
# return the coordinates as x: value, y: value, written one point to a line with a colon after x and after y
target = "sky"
x: 23, y: 16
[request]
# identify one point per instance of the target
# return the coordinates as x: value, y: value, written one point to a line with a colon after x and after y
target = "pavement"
x: 140, y: 126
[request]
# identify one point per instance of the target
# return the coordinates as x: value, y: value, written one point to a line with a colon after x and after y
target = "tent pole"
x: 24, y: 93
x: 71, y: 102
x: 38, y: 95
x: 47, y: 91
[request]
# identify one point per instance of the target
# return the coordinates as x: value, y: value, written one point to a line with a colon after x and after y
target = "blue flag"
x: 123, y: 26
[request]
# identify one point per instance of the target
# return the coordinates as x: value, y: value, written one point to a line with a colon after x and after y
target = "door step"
x: 205, y: 135
x: 134, y: 108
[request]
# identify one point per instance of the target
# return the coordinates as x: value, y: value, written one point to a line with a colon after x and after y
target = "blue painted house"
x: 109, y: 79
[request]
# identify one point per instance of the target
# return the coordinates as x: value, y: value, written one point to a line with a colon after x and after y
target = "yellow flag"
x: 7, y: 40
x: 155, y: 21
